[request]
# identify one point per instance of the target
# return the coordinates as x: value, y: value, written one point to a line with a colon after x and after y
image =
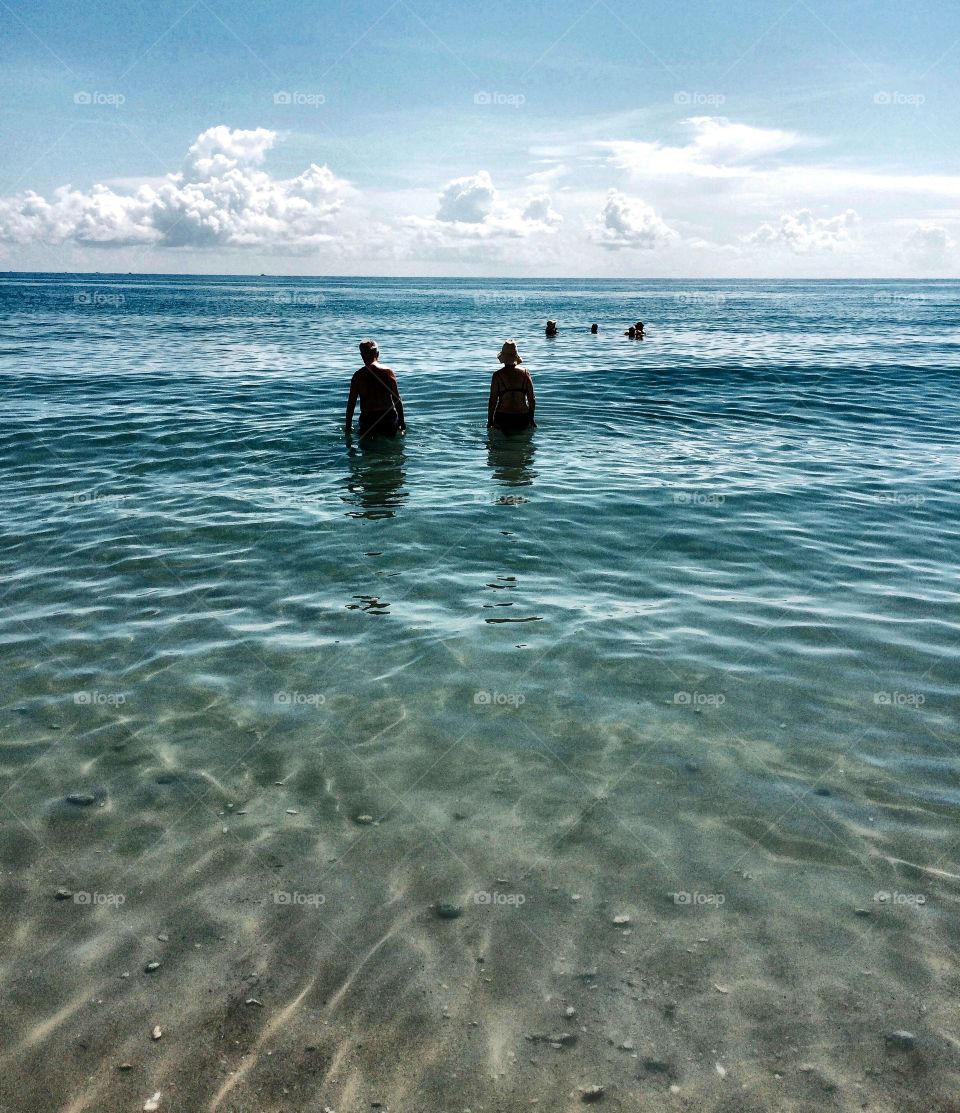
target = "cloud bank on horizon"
x: 627, y: 198
x: 220, y: 198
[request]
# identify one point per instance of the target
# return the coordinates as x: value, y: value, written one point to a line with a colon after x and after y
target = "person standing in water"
x: 551, y: 328
x: 512, y: 400
x: 381, y: 409
x: 594, y: 329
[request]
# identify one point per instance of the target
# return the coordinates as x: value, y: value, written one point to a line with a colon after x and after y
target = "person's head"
x: 631, y: 331
x: 639, y: 326
x: 509, y: 355
x: 369, y: 352
x: 594, y: 328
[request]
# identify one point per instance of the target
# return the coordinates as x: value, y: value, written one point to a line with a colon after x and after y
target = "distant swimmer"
x: 638, y: 330
x: 594, y: 329
x: 631, y: 332
x: 512, y: 401
x: 551, y: 329
x: 381, y: 410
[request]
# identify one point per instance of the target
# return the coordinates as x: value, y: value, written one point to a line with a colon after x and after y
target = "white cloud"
x: 471, y: 211
x: 802, y: 232
x: 719, y: 148
x: 629, y: 222
x: 758, y: 165
x: 221, y: 198
x: 928, y: 243
x: 220, y: 149
x: 539, y: 208
x: 720, y: 140
x: 469, y: 200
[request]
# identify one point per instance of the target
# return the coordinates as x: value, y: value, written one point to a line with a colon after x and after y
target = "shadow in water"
x: 511, y: 457
x: 375, y: 483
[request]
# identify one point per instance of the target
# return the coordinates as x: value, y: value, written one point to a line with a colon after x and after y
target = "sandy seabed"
x: 615, y: 921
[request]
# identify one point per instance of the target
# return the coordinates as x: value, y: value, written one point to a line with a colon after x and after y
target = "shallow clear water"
x: 704, y: 621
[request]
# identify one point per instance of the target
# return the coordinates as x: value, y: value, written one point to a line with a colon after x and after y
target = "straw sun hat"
x: 508, y: 353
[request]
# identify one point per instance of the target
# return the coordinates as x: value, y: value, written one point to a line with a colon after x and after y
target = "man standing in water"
x: 381, y: 410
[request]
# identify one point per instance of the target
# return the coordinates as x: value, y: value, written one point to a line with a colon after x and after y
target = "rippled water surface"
x: 699, y: 633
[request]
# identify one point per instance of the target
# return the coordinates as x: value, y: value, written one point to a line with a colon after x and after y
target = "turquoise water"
x: 698, y: 633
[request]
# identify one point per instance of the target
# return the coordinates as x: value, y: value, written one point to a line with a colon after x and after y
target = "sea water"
x: 691, y: 648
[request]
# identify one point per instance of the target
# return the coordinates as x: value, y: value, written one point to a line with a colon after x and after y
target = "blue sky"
x: 580, y: 137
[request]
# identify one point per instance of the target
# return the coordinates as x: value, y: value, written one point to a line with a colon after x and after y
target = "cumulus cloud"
x: 471, y: 211
x: 629, y: 222
x: 802, y: 232
x: 220, y: 198
x: 469, y: 200
x: 928, y: 243
x: 539, y: 209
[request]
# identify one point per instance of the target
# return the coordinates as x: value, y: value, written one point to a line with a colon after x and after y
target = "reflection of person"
x: 512, y: 463
x: 512, y: 400
x: 551, y: 329
x: 381, y: 410
x: 376, y: 483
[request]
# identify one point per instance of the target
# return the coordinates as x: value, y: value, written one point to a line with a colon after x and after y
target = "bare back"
x: 376, y: 387
x: 513, y: 389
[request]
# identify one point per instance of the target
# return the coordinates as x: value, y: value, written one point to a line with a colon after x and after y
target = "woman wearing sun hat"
x: 512, y: 400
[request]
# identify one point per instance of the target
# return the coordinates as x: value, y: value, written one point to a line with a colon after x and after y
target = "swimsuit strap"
x: 510, y: 389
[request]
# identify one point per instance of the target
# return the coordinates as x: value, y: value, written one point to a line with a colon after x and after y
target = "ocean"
x: 623, y: 753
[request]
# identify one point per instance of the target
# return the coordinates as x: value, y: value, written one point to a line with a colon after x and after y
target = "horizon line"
x: 481, y: 278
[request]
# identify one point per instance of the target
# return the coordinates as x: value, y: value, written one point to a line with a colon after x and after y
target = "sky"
x: 709, y: 138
